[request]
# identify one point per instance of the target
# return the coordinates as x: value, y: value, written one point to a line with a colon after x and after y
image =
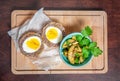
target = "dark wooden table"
x: 112, y: 7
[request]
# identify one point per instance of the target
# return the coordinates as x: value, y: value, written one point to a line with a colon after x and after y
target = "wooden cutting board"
x: 73, y: 21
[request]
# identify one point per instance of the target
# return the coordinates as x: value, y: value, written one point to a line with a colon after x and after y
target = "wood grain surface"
x: 72, y: 21
x: 112, y: 8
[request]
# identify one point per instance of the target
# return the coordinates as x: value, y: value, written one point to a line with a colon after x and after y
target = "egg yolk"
x: 51, y: 34
x: 33, y: 43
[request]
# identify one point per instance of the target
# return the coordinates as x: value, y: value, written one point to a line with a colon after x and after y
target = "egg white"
x: 26, y: 48
x: 58, y: 38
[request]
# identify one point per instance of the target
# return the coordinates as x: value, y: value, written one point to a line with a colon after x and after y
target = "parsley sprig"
x: 88, y: 46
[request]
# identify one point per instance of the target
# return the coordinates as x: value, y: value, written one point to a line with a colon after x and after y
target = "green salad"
x: 79, y: 47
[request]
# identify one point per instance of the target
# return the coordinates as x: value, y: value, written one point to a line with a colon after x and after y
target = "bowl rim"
x: 60, y: 48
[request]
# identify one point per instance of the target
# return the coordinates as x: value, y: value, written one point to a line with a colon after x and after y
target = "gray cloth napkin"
x: 50, y: 56
x: 35, y: 24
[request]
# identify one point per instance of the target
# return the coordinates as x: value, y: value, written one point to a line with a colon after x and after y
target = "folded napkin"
x: 49, y: 56
x: 35, y: 23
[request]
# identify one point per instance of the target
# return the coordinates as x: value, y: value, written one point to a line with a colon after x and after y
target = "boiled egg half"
x: 53, y: 34
x: 31, y: 44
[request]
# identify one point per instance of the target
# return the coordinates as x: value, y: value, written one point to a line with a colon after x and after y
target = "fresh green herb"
x: 79, y: 38
x: 84, y: 42
x: 85, y: 52
x: 92, y: 45
x: 96, y: 51
x: 77, y: 55
x: 86, y: 31
x: 76, y: 60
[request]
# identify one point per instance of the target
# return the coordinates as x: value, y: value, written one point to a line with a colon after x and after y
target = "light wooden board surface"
x: 73, y: 21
